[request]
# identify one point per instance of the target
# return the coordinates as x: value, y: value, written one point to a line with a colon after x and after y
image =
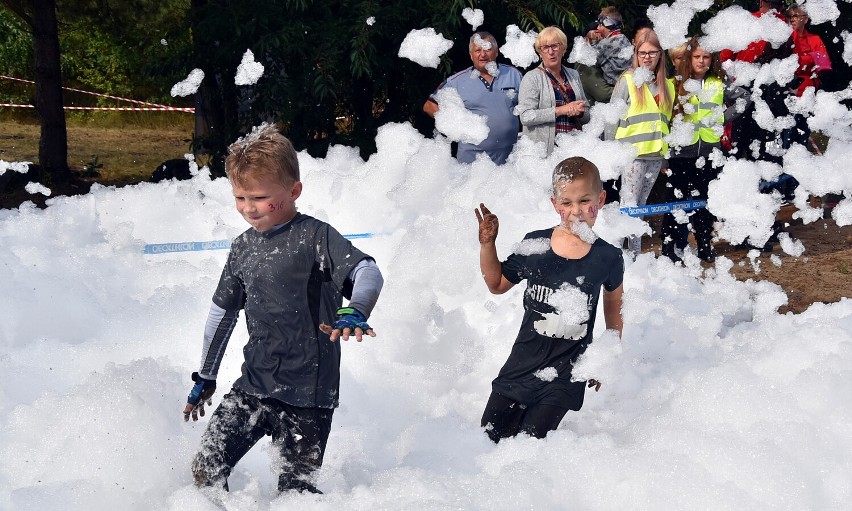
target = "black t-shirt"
x: 560, y: 303
x: 289, y: 281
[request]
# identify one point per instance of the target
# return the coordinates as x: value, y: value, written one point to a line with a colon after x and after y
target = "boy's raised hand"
x: 488, y: 224
x: 350, y: 321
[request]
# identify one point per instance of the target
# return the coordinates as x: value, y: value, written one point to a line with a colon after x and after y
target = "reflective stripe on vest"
x: 709, y: 128
x: 645, y: 125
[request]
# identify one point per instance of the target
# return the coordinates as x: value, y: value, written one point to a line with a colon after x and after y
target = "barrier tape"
x: 152, y: 106
x: 666, y: 207
x: 768, y: 184
x: 114, y: 108
x: 197, y: 246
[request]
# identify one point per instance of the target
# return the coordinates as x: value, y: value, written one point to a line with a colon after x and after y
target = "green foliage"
x: 96, y: 63
x: 330, y: 77
x: 113, y: 48
x: 16, y: 58
x: 93, y: 167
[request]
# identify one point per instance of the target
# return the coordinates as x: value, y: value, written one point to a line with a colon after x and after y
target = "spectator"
x: 813, y: 61
x: 676, y: 56
x: 614, y: 48
x: 739, y: 136
x: 614, y: 54
x: 641, y: 26
x: 552, y: 99
x: 490, y: 89
x: 702, y: 90
x: 649, y: 96
x: 813, y: 56
x: 756, y: 48
x: 594, y: 85
x: 613, y: 186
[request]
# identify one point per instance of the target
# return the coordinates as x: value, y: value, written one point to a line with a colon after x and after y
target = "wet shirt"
x: 289, y: 281
x: 560, y: 303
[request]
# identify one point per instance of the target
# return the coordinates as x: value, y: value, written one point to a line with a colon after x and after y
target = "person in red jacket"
x: 813, y: 57
x: 755, y: 49
x: 735, y: 137
x: 813, y: 60
x: 813, y: 63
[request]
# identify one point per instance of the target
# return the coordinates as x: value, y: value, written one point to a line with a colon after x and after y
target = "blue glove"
x: 350, y: 318
x: 200, y: 394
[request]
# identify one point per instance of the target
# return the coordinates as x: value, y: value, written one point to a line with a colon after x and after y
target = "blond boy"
x: 289, y: 272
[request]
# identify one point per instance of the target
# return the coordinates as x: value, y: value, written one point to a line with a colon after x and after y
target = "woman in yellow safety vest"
x: 705, y: 103
x: 649, y: 97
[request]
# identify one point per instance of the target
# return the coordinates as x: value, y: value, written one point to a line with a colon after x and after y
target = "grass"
x: 128, y: 145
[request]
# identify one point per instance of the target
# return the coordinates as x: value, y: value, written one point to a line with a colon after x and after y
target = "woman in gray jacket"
x: 551, y: 99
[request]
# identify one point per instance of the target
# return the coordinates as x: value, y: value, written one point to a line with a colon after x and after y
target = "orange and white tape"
x: 115, y: 108
x: 149, y: 107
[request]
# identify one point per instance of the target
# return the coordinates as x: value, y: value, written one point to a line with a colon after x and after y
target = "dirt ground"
x: 823, y: 273
x: 122, y: 155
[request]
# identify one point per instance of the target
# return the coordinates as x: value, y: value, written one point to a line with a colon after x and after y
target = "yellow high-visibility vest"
x: 646, y: 124
x: 708, y: 129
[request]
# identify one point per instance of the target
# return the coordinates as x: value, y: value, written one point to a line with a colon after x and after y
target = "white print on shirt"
x: 570, y: 319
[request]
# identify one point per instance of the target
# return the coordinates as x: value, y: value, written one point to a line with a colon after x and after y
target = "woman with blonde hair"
x: 676, y: 56
x: 649, y: 96
x: 551, y: 99
x: 707, y: 101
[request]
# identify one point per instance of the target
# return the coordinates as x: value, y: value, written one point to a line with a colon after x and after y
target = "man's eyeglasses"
x: 550, y: 47
x: 649, y: 54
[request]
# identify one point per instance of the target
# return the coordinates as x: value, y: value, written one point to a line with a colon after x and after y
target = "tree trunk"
x: 53, y: 144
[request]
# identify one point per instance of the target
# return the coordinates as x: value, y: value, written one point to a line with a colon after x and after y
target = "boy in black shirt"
x: 289, y: 272
x: 565, y: 267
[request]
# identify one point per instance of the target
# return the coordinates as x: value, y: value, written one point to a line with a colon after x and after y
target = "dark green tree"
x: 330, y: 76
x: 111, y: 57
x: 40, y: 17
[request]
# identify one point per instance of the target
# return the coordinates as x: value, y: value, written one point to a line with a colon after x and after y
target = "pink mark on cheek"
x: 593, y: 211
x: 272, y: 207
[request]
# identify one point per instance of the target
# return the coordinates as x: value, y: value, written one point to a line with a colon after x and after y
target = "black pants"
x: 798, y: 134
x: 692, y: 182
x: 504, y: 418
x: 298, y: 434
